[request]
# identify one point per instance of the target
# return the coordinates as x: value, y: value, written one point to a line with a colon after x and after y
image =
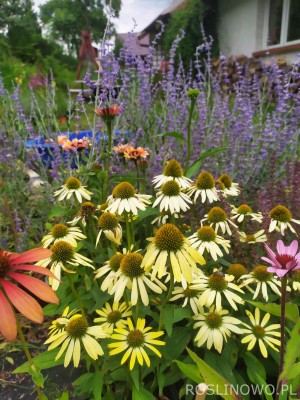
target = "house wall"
x: 239, y: 30
x: 242, y: 29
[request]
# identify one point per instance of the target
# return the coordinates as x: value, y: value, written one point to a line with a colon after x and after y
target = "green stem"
x: 189, y: 147
x: 107, y: 167
x: 137, y: 175
x: 75, y: 294
x: 27, y: 353
x: 128, y: 232
x: 282, y: 328
x: 171, y: 288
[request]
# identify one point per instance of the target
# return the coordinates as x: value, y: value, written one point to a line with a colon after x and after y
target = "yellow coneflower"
x: 171, y: 198
x: 74, y: 333
x: 218, y: 219
x: 135, y: 340
x: 206, y: 239
x: 259, y: 332
x: 281, y: 218
x: 169, y: 243
x: 114, y: 316
x: 215, y: 326
x: 63, y: 256
x: 63, y: 232
x: 73, y: 187
x: 172, y: 171
x: 244, y: 211
x: 109, y: 225
x: 228, y: 188
x: 258, y: 237
x: 125, y: 199
x: 204, y: 187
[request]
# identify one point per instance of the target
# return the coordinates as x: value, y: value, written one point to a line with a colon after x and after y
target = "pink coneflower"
x: 11, y: 295
x: 285, y: 261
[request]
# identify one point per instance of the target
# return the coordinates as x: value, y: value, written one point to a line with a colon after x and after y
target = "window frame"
x: 284, y: 26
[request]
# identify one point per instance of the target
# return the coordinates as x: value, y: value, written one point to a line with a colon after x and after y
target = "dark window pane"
x: 275, y: 20
x: 294, y: 21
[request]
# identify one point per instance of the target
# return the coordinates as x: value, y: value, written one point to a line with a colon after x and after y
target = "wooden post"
x: 201, y: 391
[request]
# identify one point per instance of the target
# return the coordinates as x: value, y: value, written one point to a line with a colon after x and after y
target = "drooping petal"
x: 37, y: 287
x: 35, y: 268
x: 8, y: 326
x: 32, y: 255
x: 23, y: 302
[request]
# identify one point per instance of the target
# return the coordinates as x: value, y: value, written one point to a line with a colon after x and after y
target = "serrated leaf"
x: 291, y: 310
x: 194, y: 168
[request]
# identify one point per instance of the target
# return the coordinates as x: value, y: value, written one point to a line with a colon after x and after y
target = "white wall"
x: 240, y: 26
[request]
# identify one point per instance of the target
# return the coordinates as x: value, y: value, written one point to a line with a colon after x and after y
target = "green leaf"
x: 168, y: 318
x: 135, y: 376
x: 161, y: 380
x: 291, y: 354
x: 141, y: 394
x: 174, y: 134
x: 212, y: 378
x: 43, y: 361
x: 265, y: 387
x: 291, y: 310
x: 57, y: 211
x: 36, y: 375
x: 64, y: 396
x: 190, y: 371
x: 254, y: 367
x: 97, y: 385
x: 230, y: 353
x: 194, y: 168
x: 149, y: 212
x: 176, y: 344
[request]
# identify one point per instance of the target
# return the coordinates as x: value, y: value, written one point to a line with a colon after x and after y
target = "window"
x: 283, y: 22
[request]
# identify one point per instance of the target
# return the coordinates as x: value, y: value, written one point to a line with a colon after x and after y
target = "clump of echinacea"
x: 172, y: 171
x: 206, y: 240
x: 63, y: 257
x: 87, y: 211
x: 286, y: 261
x: 125, y: 199
x: 259, y: 332
x: 169, y: 251
x: 13, y: 272
x: 227, y: 187
x: 170, y: 197
x: 214, y: 327
x: 263, y: 280
x: 63, y: 232
x: 135, y: 340
x: 73, y: 188
x: 75, y: 332
x: 281, y: 218
x: 204, y: 188
x: 243, y: 211
x: 109, y: 225
x: 251, y: 238
x: 218, y: 219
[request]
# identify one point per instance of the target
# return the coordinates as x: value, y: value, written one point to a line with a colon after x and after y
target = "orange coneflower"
x: 135, y: 154
x: 108, y: 112
x: 11, y: 295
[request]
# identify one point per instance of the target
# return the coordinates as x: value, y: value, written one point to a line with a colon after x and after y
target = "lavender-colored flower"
x: 286, y: 261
